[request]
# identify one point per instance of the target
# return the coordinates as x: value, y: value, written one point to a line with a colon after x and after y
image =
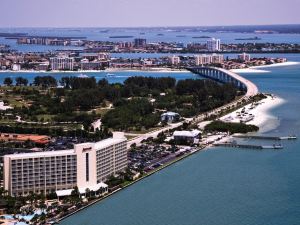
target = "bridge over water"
x: 219, y: 75
x: 226, y: 76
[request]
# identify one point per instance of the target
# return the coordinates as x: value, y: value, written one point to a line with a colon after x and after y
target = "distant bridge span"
x: 226, y: 76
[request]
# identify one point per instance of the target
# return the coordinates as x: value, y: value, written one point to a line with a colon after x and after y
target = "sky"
x: 146, y: 13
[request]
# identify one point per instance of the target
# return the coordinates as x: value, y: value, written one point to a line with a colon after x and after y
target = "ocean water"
x: 220, y: 186
x: 152, y: 35
x: 112, y: 77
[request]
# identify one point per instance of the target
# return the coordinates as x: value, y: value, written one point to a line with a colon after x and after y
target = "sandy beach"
x: 155, y: 69
x: 259, y: 69
x: 253, y: 69
x: 261, y: 112
x: 249, y: 70
x: 109, y: 70
x: 261, y: 118
x: 276, y: 65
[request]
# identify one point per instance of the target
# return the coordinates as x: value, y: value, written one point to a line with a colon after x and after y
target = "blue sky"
x: 130, y: 13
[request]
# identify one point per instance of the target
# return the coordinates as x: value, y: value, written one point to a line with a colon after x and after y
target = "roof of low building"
x: 186, y: 133
x: 170, y: 114
x: 68, y: 192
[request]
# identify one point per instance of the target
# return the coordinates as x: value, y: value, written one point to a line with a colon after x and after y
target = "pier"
x: 278, y: 138
x: 257, y: 147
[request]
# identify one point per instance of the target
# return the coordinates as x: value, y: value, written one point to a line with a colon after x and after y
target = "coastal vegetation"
x: 219, y: 126
x: 45, y: 108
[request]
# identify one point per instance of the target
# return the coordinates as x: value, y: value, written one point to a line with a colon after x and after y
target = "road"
x: 152, y: 134
x: 252, y: 90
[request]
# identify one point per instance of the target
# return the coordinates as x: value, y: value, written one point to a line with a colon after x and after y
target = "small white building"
x: 96, y: 124
x: 16, y: 67
x: 187, y: 136
x: 99, y: 189
x: 170, y: 117
x: 3, y: 106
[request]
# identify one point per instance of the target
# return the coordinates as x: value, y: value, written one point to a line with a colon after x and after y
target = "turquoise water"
x: 219, y: 186
x: 118, y: 77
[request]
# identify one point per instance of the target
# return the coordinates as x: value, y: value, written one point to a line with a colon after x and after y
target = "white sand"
x: 249, y: 70
x: 262, y: 116
x: 162, y: 70
x: 258, y: 69
x: 277, y: 65
x: 154, y: 69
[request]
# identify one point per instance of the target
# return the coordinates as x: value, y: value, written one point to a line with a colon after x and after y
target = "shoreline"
x: 260, y: 69
x: 262, y: 116
x: 131, y: 183
x: 154, y: 69
x: 252, y: 69
x: 205, y: 147
x: 265, y: 120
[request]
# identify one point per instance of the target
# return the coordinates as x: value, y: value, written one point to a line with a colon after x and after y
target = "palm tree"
x: 87, y: 192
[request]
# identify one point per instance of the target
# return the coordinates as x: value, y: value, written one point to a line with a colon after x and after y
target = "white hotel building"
x: 62, y: 63
x: 88, y: 165
x: 208, y: 59
x: 213, y: 45
x: 244, y: 57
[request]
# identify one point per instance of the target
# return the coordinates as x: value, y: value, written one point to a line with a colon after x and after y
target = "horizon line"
x: 169, y: 26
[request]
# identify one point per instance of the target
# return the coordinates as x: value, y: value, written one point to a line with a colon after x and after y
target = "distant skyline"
x: 142, y: 13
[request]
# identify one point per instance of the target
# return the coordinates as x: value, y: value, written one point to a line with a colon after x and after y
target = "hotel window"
x: 87, y: 166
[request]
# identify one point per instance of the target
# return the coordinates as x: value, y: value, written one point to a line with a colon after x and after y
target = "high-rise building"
x: 213, y: 45
x: 85, y: 64
x: 62, y: 63
x: 208, y: 59
x: 127, y: 45
x: 244, y: 57
x: 174, y: 60
x: 88, y: 165
x: 203, y: 59
x: 140, y: 42
x: 217, y: 58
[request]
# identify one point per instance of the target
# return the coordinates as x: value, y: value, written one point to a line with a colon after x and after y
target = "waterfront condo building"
x: 62, y: 63
x: 203, y: 59
x: 174, y: 60
x: 213, y: 45
x: 140, y: 42
x: 208, y: 59
x: 244, y: 57
x: 217, y: 58
x: 88, y: 165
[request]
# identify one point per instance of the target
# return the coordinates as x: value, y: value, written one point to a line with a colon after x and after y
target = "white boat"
x: 110, y: 75
x: 279, y: 146
x: 82, y: 76
x: 246, y: 119
x: 288, y: 138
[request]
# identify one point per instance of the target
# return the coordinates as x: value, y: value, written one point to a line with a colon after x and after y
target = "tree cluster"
x: 230, y: 127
